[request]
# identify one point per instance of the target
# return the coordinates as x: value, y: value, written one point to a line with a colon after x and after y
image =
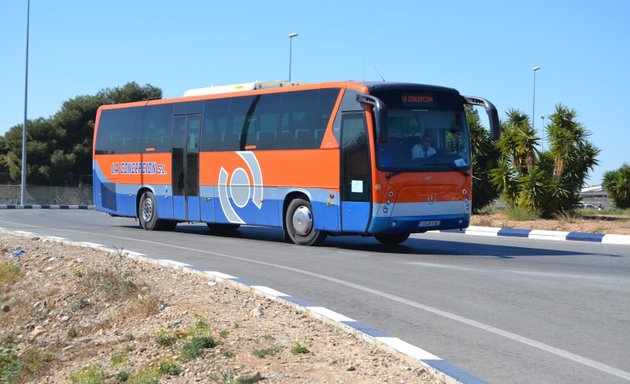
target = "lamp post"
x: 534, y: 69
x: 291, y: 36
x: 542, y: 135
x: 23, y: 180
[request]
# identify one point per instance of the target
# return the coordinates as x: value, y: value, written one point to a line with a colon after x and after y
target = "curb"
x: 444, y: 370
x: 45, y: 206
x: 543, y: 235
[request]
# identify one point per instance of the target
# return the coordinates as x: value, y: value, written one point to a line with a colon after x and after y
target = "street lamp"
x: 535, y: 69
x: 291, y: 36
x: 542, y: 135
x: 23, y: 180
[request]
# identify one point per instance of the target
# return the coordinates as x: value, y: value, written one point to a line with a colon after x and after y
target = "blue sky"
x: 485, y: 48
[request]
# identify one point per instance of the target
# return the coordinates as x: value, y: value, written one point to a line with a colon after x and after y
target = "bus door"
x: 185, y: 174
x: 356, y: 179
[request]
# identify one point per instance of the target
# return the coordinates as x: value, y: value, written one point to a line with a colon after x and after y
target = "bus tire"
x: 391, y: 238
x: 147, y: 211
x: 299, y: 223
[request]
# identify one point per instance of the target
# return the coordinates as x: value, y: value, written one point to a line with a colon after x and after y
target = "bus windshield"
x: 425, y: 139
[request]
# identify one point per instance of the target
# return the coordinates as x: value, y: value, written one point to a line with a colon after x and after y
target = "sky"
x: 485, y: 48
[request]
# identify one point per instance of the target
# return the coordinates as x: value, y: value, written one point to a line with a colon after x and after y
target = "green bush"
x: 617, y: 184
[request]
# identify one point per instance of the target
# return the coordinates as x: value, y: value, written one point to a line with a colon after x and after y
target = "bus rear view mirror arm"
x: 493, y: 116
x: 380, y: 116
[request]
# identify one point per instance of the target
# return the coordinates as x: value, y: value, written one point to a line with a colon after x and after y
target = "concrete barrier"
x: 10, y: 194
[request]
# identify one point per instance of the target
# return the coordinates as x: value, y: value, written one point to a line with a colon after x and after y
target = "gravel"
x: 71, y: 313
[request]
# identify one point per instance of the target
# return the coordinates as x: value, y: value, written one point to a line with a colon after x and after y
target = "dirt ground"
x: 78, y: 315
x: 588, y: 221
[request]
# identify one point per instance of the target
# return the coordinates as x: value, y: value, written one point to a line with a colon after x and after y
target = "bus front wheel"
x: 391, y: 238
x: 299, y: 223
x: 147, y: 213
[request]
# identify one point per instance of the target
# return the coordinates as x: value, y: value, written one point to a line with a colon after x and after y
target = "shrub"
x: 88, y: 375
x: 299, y: 347
x: 195, y: 347
x: 617, y: 184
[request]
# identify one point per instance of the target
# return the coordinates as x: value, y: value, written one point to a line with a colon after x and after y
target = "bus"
x: 333, y: 158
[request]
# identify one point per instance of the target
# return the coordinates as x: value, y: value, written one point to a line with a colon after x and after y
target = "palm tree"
x: 573, y: 155
x: 519, y: 141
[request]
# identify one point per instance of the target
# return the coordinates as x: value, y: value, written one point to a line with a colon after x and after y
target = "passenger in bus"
x: 423, y: 150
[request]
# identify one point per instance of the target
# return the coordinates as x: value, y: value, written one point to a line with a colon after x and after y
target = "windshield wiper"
x: 455, y: 167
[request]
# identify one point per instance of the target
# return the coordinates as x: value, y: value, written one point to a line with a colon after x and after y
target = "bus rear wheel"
x: 391, y: 238
x: 299, y: 223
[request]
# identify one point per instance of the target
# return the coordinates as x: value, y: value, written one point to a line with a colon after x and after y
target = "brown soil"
x: 588, y: 222
x: 72, y: 314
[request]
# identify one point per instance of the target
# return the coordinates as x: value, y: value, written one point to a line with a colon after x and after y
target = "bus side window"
x: 240, y: 110
x: 158, y: 122
x: 215, y: 124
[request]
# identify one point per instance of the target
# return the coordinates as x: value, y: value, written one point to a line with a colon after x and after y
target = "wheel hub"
x: 303, y: 220
x: 147, y: 210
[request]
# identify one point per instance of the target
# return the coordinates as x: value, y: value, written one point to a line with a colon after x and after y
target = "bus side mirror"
x: 380, y: 116
x: 493, y: 116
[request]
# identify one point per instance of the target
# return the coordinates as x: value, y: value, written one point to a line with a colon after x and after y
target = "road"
x: 507, y: 310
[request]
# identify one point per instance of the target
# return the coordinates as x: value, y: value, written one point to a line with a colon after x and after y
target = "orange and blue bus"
x: 320, y: 159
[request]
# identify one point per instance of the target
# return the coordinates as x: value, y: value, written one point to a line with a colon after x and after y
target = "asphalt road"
x: 507, y: 310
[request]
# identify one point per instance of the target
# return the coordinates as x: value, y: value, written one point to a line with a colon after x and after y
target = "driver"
x: 423, y: 150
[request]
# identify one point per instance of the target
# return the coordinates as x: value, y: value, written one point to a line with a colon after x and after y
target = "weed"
x: 149, y: 376
x: 169, y: 368
x: 267, y: 336
x: 262, y: 353
x: 10, y: 365
x: 568, y: 217
x: 224, y: 377
x: 201, y: 323
x: 88, y: 375
x: 165, y: 338
x: 115, y: 281
x: 72, y: 332
x: 488, y: 210
x: 119, y: 358
x: 521, y: 214
x: 229, y: 353
x: 195, y: 347
x: 79, y: 304
x: 299, y: 347
x: 32, y: 360
x: 122, y: 376
x: 9, y: 273
x: 224, y: 334
x: 78, y: 272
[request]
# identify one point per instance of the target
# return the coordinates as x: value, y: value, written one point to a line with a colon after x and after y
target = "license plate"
x: 429, y: 223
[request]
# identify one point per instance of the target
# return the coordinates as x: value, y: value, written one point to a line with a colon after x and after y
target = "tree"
x: 59, y: 149
x: 484, y: 157
x: 573, y: 157
x: 545, y: 183
x: 617, y: 184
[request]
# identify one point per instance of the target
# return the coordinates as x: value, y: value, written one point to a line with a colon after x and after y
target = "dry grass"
x: 9, y: 273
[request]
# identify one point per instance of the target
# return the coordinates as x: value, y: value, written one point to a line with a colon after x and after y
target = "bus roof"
x: 218, y: 89
x: 280, y: 86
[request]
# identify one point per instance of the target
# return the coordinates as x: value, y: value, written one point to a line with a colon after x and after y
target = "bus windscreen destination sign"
x: 416, y: 100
